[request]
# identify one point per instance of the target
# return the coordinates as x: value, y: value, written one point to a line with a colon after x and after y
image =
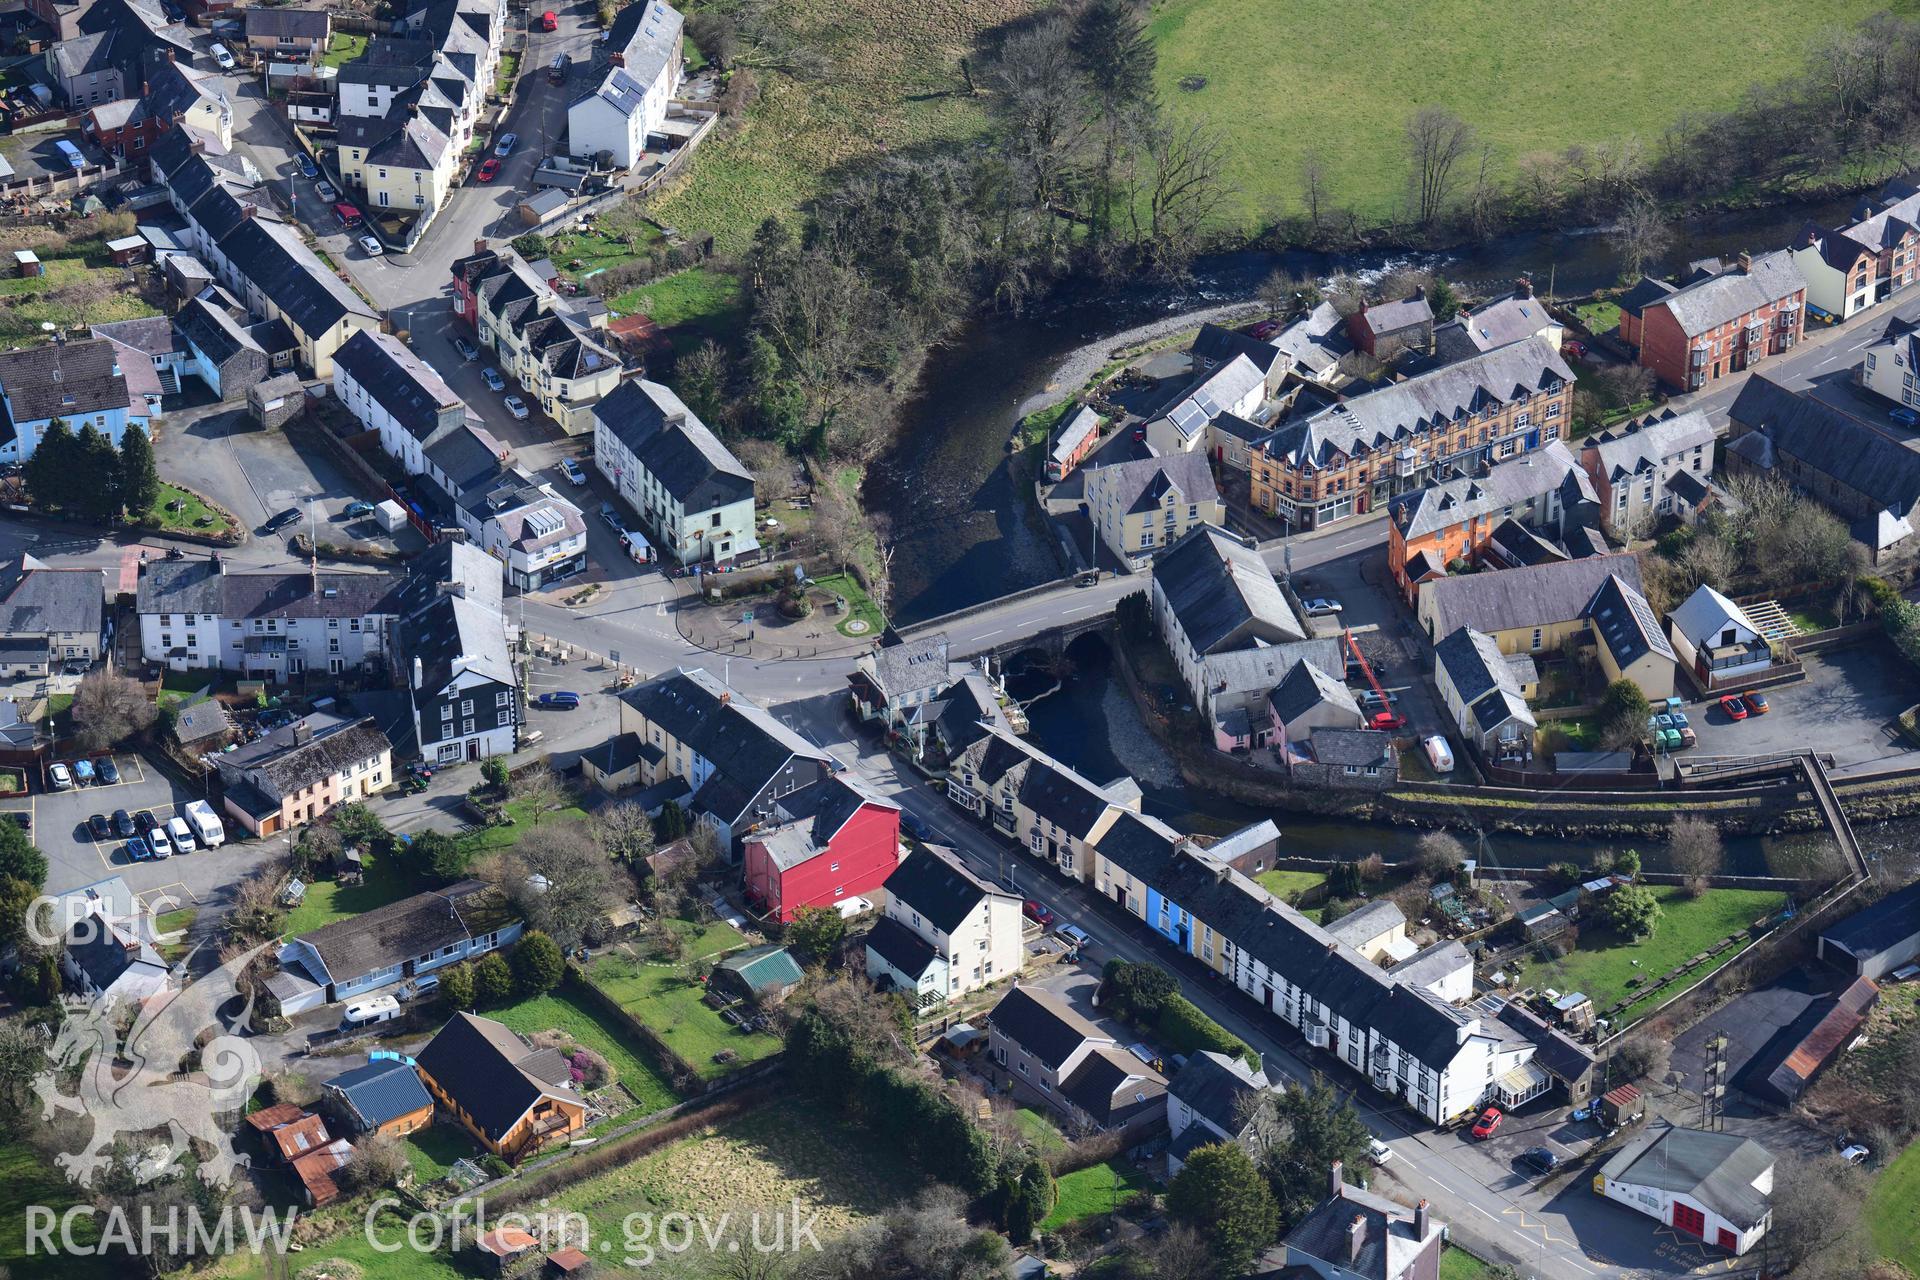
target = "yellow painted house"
x: 1049, y: 809
x: 1142, y: 506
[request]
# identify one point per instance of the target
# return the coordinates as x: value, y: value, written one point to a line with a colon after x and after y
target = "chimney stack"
x: 302, y: 732
x: 1745, y: 260
x: 419, y: 674
x: 1422, y: 1220
x: 1523, y: 286
x: 1356, y: 1238
x: 1336, y: 1180
x: 479, y: 246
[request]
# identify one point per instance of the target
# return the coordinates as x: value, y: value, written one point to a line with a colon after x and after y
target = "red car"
x: 1735, y: 708
x: 1488, y: 1122
x: 489, y: 170
x: 548, y: 22
x: 1756, y: 703
x: 1573, y: 349
x: 1264, y: 330
x: 1038, y: 914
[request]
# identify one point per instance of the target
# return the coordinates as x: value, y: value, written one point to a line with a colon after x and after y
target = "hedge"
x: 1186, y: 1030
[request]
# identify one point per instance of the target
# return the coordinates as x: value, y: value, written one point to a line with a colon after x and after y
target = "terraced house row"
x: 1407, y: 1027
x: 552, y: 346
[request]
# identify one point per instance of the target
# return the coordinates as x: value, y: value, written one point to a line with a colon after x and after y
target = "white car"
x: 1854, y: 1153
x: 181, y: 834
x: 373, y: 247
x: 1321, y: 606
x: 572, y: 471
x: 518, y: 408
x: 158, y: 842
x: 221, y: 56
x: 1378, y: 1151
x: 62, y: 777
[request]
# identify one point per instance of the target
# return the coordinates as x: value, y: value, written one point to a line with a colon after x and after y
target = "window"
x: 353, y: 624
x: 466, y: 726
x: 466, y: 706
x: 503, y: 699
x: 833, y: 866
x: 1536, y: 637
x: 446, y: 711
x: 1034, y: 839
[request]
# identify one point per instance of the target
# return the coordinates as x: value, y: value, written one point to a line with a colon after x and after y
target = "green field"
x: 895, y: 85
x: 432, y: 1151
x: 559, y: 1011
x: 193, y: 516
x: 1341, y: 76
x: 1455, y: 1265
x: 1603, y: 963
x: 1599, y: 317
x: 581, y: 255
x: 1095, y: 1190
x: 660, y: 996
x: 327, y: 901
x: 1893, y: 1209
x: 860, y: 605
x: 342, y: 49
x: 1040, y: 1131
x: 487, y: 839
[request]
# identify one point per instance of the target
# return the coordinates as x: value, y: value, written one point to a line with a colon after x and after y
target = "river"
x: 966, y: 533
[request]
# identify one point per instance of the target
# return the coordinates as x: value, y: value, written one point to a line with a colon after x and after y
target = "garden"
x: 668, y: 995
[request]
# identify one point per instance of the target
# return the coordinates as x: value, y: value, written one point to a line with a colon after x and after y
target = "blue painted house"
x: 81, y: 383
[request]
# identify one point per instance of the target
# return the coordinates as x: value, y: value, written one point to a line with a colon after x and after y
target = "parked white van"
x: 181, y: 834
x: 1439, y: 754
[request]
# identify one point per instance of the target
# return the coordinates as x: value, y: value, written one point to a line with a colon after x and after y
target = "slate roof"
x: 1530, y: 596
x: 402, y: 383
x: 1558, y: 1052
x: 933, y: 882
x: 1209, y: 395
x: 1218, y: 1087
x: 1625, y: 623
x: 1641, y: 445
x: 1716, y: 1169
x: 1392, y: 317
x: 1063, y: 797
x: 1382, y: 419
x: 815, y: 815
x: 199, y: 721
x: 213, y: 332
x: 1512, y: 317
x: 1512, y: 543
x: 902, y: 948
x: 388, y: 935
x: 1112, y: 1083
x: 62, y: 380
x: 1073, y: 432
x: 313, y: 24
x: 902, y: 667
x: 381, y: 1092
x: 1388, y: 1242
x: 647, y: 34
x: 1222, y: 592
x: 153, y: 335
x: 746, y: 746
x: 1357, y: 747
x: 1705, y: 304
x: 281, y: 266
x: 37, y: 601
x: 1306, y: 687
x: 1140, y: 484
x: 1482, y: 678
x: 1885, y: 924
x: 1808, y: 1056
x: 1826, y: 440
x: 201, y: 586
x: 490, y: 1071
x: 1508, y: 484
x: 674, y: 446
x: 1315, y: 342
x: 1140, y: 845
x: 1367, y: 923
x: 1043, y: 1024
x: 1706, y: 613
x: 968, y: 701
x: 1219, y: 345
x: 290, y: 766
x: 395, y: 63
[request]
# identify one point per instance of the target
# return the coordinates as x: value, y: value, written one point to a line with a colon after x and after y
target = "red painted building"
x: 831, y: 841
x: 1724, y: 323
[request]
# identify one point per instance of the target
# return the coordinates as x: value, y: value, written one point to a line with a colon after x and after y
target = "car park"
x: 145, y: 821
x: 1321, y: 606
x: 105, y: 770
x: 355, y: 510
x: 98, y: 828
x: 181, y: 834
x: 158, y: 842
x: 518, y: 408
x: 62, y: 777
x: 466, y: 349
x: 327, y: 191
x: 374, y: 249
x: 1541, y: 1160
x: 489, y: 170
x: 1756, y: 702
x: 492, y: 378
x: 1735, y: 708
x: 1488, y: 1124
x: 508, y: 141
x: 139, y: 851
x: 572, y: 471
x: 123, y: 824
x: 561, y: 701
x: 1037, y: 913
x: 308, y: 169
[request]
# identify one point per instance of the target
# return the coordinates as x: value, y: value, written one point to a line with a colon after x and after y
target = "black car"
x: 21, y: 818
x: 290, y: 516
x: 97, y: 827
x: 123, y: 824
x: 915, y: 827
x: 145, y: 820
x: 105, y: 770
x: 1541, y: 1160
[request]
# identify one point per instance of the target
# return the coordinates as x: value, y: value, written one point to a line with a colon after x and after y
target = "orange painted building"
x: 1431, y: 528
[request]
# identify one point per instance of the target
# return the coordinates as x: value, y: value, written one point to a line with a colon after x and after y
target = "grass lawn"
x: 558, y: 1010
x: 1599, y: 317
x: 1340, y: 76
x: 860, y: 605
x: 1039, y: 1129
x: 1287, y: 885
x: 765, y: 1158
x: 29, y: 1178
x: 659, y: 996
x: 1603, y: 963
x: 896, y: 86
x: 1455, y: 1265
x: 1575, y: 733
x: 188, y: 686
x: 194, y: 515
x: 509, y: 72
x: 352, y: 1246
x: 1812, y: 617
x: 1893, y: 1209
x: 432, y: 1151
x: 1095, y: 1190
x: 327, y: 901
x: 175, y: 922
x: 79, y: 286
x: 595, y: 252
x: 489, y: 838
x: 692, y: 306
x: 342, y: 49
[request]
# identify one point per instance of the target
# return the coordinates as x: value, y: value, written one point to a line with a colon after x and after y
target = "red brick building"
x: 1724, y: 323
x: 829, y: 842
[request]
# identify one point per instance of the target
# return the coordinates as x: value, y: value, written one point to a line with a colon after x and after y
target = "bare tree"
x: 1313, y: 187
x: 772, y: 468
x: 1641, y: 1057
x: 1641, y: 236
x: 1046, y: 118
x: 379, y: 1160
x: 1437, y: 139
x: 1816, y: 1230
x: 1280, y: 293
x: 1183, y: 189
x: 560, y: 878
x: 541, y: 791
x: 1695, y: 850
x: 837, y: 525
x: 108, y: 709
x: 625, y: 832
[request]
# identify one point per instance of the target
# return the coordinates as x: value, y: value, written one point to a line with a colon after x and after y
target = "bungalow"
x: 838, y: 840
x: 1715, y: 640
x: 1211, y: 1100
x: 1140, y: 506
x: 1052, y: 1055
x: 385, y: 1096
x: 1715, y: 1187
x: 1481, y: 695
x: 392, y: 944
x: 299, y: 772
x: 512, y: 1098
x: 1212, y: 593
x: 944, y: 931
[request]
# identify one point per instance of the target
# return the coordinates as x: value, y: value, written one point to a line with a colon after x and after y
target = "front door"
x: 473, y: 749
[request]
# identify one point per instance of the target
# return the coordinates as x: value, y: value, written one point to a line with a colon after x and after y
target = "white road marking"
x: 1483, y: 1213
x: 988, y: 635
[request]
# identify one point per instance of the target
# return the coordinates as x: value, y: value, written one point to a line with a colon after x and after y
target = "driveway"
x: 1848, y: 706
